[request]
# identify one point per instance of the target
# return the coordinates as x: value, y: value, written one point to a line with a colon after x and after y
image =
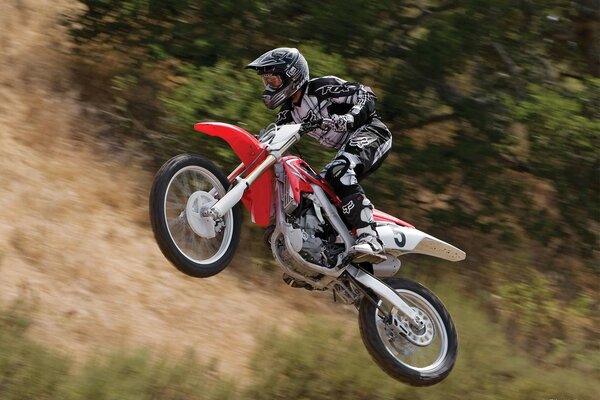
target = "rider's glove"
x: 342, y: 123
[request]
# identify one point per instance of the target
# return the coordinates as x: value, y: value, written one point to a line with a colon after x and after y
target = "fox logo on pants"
x: 362, y: 141
x: 348, y: 207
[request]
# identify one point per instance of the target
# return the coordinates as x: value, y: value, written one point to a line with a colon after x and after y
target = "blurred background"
x: 495, y: 111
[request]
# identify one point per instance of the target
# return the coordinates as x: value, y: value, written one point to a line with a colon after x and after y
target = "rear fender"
x: 381, y: 217
x: 399, y: 240
x: 258, y: 198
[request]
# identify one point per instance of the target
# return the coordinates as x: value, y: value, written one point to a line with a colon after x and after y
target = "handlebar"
x: 267, y: 133
x: 312, y: 125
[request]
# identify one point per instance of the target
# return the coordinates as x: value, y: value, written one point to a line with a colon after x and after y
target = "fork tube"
x: 236, y: 172
x: 234, y: 195
x: 231, y: 178
x: 270, y: 160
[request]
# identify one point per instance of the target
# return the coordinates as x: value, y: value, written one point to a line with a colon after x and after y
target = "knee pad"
x: 341, y: 175
x: 336, y: 170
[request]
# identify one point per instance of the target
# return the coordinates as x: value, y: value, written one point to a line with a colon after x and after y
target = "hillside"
x: 87, y: 117
x: 75, y: 235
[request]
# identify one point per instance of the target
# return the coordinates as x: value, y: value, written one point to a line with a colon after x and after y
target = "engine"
x: 314, y: 242
x: 318, y: 238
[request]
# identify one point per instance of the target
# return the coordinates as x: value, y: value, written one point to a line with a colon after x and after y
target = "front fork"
x: 235, y: 194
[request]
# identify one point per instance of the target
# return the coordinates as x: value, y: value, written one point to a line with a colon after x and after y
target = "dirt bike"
x: 196, y: 218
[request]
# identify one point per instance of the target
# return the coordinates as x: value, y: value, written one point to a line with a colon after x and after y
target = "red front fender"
x: 258, y: 197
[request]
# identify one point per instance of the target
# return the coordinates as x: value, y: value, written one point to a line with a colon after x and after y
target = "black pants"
x: 363, y: 153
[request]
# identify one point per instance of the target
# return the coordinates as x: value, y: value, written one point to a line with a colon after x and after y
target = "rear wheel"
x: 195, y: 244
x: 428, y: 355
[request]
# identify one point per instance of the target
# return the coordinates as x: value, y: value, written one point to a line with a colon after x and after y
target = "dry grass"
x: 74, y: 231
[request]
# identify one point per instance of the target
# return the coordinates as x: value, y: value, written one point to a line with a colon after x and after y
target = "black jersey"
x: 323, y: 97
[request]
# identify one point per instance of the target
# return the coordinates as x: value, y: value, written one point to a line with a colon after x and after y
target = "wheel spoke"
x: 175, y: 203
x: 186, y: 183
x: 176, y: 225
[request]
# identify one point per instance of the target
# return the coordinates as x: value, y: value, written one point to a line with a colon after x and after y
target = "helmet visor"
x: 272, y: 81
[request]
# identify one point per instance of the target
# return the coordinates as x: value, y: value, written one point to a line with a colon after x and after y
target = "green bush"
x: 325, y: 360
x: 320, y: 359
x: 29, y: 370
x: 135, y: 375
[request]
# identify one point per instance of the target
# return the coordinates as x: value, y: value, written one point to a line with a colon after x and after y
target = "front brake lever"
x: 311, y: 126
x: 326, y: 123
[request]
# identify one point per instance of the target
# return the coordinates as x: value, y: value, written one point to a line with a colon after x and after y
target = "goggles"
x: 272, y: 81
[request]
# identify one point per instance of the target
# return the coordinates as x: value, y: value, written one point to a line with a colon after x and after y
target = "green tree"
x: 481, y: 66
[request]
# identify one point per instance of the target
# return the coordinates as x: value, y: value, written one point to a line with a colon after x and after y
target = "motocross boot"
x: 358, y: 212
x: 368, y: 247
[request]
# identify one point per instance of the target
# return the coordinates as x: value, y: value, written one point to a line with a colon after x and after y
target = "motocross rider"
x: 355, y: 131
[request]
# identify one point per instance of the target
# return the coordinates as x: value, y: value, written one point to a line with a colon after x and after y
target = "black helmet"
x: 284, y: 70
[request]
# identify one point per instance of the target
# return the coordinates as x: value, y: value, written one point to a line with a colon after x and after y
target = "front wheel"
x: 198, y: 246
x: 426, y: 359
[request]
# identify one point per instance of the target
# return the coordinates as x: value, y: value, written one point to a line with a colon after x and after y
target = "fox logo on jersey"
x: 336, y: 90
